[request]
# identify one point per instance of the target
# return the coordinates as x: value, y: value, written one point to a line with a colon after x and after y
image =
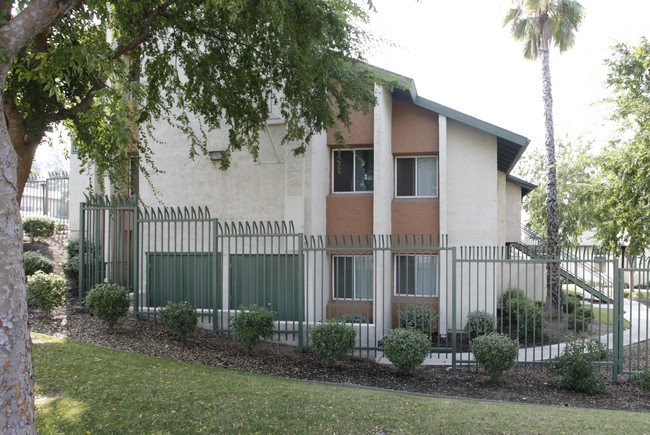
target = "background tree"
x: 538, y: 24
x: 625, y: 182
x: 577, y: 190
x: 109, y: 68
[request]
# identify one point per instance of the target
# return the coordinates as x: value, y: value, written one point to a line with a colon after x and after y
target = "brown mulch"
x: 531, y: 384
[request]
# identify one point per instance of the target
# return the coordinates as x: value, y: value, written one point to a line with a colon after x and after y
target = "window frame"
x: 436, y: 293
x: 355, y: 292
x: 437, y: 186
x: 354, y: 170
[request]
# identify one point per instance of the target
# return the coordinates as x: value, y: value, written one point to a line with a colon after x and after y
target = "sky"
x: 460, y: 55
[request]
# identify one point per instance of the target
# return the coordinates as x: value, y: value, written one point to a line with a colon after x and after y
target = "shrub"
x: 576, y: 366
x: 35, y: 261
x: 252, y: 322
x: 479, y: 323
x: 527, y: 316
x: 497, y: 353
x: 38, y: 227
x: 332, y: 340
x: 109, y: 302
x: 580, y: 319
x: 46, y: 290
x: 352, y: 318
x: 642, y: 379
x: 572, y: 303
x: 180, y: 317
x: 420, y: 317
x: 71, y: 264
x: 406, y: 348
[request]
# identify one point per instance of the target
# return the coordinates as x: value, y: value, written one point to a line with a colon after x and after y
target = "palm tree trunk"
x: 553, y: 267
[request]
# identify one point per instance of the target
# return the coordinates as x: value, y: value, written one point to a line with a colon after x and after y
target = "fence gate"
x: 107, y: 242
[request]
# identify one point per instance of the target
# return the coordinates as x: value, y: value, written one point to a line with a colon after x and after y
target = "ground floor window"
x: 352, y: 276
x: 416, y: 275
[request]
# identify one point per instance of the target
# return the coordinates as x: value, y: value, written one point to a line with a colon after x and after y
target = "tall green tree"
x: 577, y: 190
x: 109, y: 68
x: 540, y: 24
x: 625, y: 182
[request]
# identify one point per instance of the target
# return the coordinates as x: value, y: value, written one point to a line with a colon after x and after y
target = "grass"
x: 606, y: 316
x: 82, y: 388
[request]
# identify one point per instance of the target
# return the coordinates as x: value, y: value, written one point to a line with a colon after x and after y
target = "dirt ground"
x: 524, y: 384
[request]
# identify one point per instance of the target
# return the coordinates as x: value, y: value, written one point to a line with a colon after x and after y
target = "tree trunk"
x: 17, y: 383
x: 552, y: 224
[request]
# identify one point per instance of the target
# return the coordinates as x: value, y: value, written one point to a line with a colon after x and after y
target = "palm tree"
x: 538, y: 23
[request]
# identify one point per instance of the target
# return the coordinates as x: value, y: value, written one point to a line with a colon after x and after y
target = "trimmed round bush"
x: 109, y: 302
x: 180, y: 317
x: 523, y: 312
x: 576, y: 367
x: 479, y: 323
x: 496, y: 352
x: 35, y: 261
x: 420, y: 317
x: 46, y: 290
x: 406, y: 348
x: 252, y: 323
x: 39, y: 227
x: 332, y: 340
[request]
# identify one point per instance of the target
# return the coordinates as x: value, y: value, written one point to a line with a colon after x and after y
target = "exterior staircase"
x: 574, y: 268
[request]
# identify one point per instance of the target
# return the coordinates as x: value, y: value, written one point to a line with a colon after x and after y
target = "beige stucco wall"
x: 513, y: 212
x: 80, y: 184
x: 501, y: 208
x: 472, y: 189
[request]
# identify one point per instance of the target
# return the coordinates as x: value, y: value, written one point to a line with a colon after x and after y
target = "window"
x: 416, y: 176
x: 416, y: 275
x: 353, y: 277
x: 353, y: 170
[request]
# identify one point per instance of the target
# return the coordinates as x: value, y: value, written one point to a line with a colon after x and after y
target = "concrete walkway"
x: 634, y: 312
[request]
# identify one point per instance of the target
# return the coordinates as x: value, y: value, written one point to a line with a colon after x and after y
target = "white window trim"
x: 354, y: 280
x: 416, y: 177
x: 354, y: 170
x: 404, y: 295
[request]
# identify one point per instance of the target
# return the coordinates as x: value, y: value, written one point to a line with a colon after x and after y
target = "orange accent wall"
x: 362, y: 130
x: 415, y: 216
x: 349, y: 214
x: 414, y: 130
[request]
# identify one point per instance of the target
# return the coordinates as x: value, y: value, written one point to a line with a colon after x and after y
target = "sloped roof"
x: 510, y: 146
x: 526, y: 187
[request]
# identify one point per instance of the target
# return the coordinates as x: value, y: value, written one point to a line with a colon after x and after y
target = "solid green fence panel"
x: 180, y: 277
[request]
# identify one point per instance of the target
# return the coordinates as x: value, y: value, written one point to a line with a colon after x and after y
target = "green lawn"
x: 606, y: 315
x: 82, y: 388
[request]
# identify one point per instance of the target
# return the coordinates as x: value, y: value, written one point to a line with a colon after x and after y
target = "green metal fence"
x: 47, y: 197
x: 375, y: 283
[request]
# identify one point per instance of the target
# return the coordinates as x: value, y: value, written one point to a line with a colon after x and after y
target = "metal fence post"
x: 135, y: 260
x: 618, y: 321
x: 453, y: 308
x: 45, y: 187
x: 301, y: 292
x: 82, y: 259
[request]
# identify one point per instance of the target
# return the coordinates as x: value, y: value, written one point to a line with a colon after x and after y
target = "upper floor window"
x: 352, y: 170
x: 416, y: 177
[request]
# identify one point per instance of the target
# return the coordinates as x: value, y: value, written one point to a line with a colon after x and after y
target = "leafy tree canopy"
x: 576, y: 175
x: 625, y: 195
x: 111, y: 65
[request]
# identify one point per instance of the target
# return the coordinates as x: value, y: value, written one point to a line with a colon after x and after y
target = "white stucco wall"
x: 79, y: 185
x: 273, y: 188
x: 472, y: 193
x: 513, y: 212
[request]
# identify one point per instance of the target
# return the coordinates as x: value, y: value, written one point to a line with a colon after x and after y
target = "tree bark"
x: 552, y: 224
x: 16, y: 383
